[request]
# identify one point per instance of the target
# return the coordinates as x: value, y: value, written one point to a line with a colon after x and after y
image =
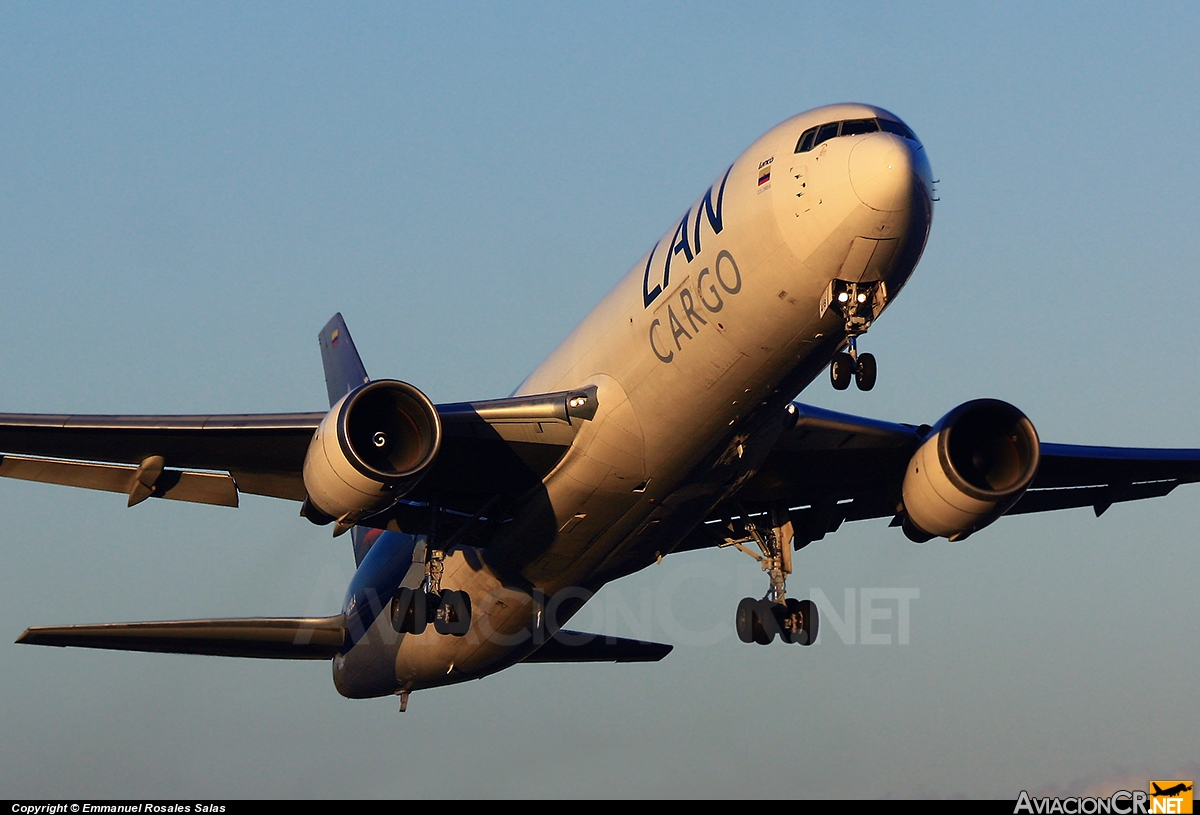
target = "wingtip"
x: 36, y: 636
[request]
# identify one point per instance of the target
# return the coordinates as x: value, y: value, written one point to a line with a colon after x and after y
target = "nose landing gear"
x: 859, y: 304
x: 760, y: 621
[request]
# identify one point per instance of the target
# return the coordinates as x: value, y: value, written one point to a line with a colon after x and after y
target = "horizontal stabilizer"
x: 261, y: 637
x: 576, y: 646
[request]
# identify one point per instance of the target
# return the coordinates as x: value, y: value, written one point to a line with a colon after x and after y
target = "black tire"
x: 789, y: 620
x: 409, y: 611
x: 867, y: 371
x: 765, y: 625
x: 454, y: 614
x: 744, y: 621
x: 809, y: 622
x: 841, y: 370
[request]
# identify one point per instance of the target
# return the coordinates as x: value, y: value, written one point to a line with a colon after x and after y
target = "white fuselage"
x: 718, y: 323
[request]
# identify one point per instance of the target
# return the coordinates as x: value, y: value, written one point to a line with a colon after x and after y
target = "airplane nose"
x: 881, y: 172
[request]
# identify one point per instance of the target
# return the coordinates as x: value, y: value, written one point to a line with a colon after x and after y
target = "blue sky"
x: 188, y: 192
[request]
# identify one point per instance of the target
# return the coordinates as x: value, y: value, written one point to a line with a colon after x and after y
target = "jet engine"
x: 372, y: 447
x: 973, y: 466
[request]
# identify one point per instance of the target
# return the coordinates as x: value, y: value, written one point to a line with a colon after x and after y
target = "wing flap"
x: 261, y: 637
x: 177, y: 485
x: 1098, y: 498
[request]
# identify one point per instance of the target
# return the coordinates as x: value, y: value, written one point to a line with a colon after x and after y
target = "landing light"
x: 862, y: 298
x: 843, y: 297
x: 577, y: 401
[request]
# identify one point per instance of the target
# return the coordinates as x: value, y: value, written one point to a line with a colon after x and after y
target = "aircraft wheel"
x: 409, y: 611
x: 765, y: 625
x: 841, y: 369
x: 788, y: 615
x: 454, y: 613
x: 806, y: 634
x: 864, y: 377
x: 744, y: 622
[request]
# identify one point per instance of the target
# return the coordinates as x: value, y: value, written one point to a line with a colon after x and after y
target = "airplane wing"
x: 260, y: 454
x: 489, y: 448
x: 833, y: 467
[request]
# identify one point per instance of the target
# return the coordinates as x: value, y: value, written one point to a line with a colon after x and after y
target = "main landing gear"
x: 760, y: 621
x: 859, y: 304
x: 413, y: 609
x: 793, y: 620
x: 449, y: 610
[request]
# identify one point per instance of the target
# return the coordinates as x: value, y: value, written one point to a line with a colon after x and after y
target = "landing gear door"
x: 879, y: 300
x: 827, y: 298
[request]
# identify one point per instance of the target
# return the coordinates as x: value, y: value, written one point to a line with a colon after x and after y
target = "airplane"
x: 1169, y: 792
x: 663, y: 423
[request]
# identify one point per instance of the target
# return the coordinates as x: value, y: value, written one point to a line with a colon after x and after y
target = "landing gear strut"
x: 859, y: 304
x: 776, y: 614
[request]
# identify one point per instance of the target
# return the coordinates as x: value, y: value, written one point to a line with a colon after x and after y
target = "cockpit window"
x: 856, y: 127
x: 806, y: 140
x: 826, y: 133
x: 851, y: 127
x: 899, y: 128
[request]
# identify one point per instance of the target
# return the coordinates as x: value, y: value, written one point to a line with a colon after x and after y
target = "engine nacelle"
x: 372, y: 447
x: 972, y: 467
